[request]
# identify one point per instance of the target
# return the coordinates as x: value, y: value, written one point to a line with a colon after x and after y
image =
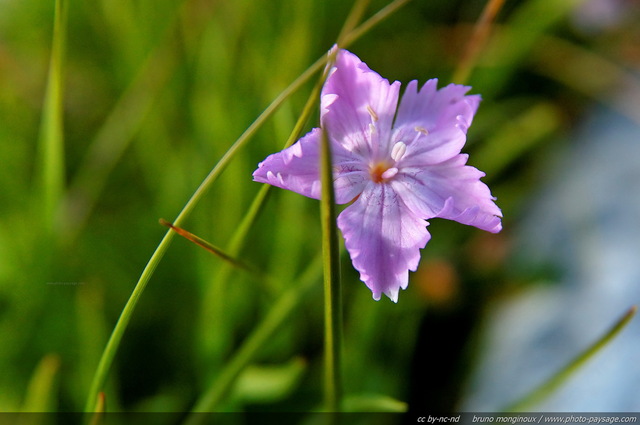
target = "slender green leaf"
x: 122, y: 323
x: 278, y: 314
x: 51, y: 149
x: 373, y: 403
x: 268, y: 384
x: 209, y: 247
x: 240, y: 236
x: 367, y: 25
x: 41, y: 395
x: 101, y: 406
x: 477, y: 41
x: 514, y: 43
x: 332, y: 287
x: 557, y: 380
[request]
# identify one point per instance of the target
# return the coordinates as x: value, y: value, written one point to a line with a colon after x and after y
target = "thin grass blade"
x: 40, y: 394
x: 240, y: 236
x: 477, y: 41
x: 367, y: 25
x: 114, y: 341
x: 98, y: 416
x: 354, y: 17
x: 278, y: 314
x: 208, y: 246
x: 332, y: 287
x: 522, y: 31
x: 557, y: 380
x: 51, y: 144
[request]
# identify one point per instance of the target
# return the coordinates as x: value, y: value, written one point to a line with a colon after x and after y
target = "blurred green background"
x: 155, y: 92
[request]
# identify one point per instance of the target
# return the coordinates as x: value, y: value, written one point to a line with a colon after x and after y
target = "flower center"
x: 382, y: 171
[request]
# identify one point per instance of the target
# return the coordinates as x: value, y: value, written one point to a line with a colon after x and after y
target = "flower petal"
x: 358, y: 107
x: 450, y: 190
x: 297, y: 169
x: 433, y: 123
x: 384, y: 239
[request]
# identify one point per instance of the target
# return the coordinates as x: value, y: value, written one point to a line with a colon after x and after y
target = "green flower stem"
x: 116, y: 336
x: 548, y: 387
x: 332, y: 288
x: 278, y: 314
x: 240, y: 236
x: 331, y: 266
x: 51, y: 133
x: 241, y: 359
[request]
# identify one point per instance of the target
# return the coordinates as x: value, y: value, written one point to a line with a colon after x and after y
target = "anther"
x: 421, y: 130
x: 373, y: 114
x: 398, y: 151
x: 389, y: 173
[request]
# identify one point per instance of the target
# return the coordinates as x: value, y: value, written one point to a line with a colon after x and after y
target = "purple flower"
x: 399, y: 165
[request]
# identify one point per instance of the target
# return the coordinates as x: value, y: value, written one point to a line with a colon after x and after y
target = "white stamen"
x: 372, y: 128
x: 421, y: 130
x: 373, y: 114
x: 389, y: 173
x: 398, y: 151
